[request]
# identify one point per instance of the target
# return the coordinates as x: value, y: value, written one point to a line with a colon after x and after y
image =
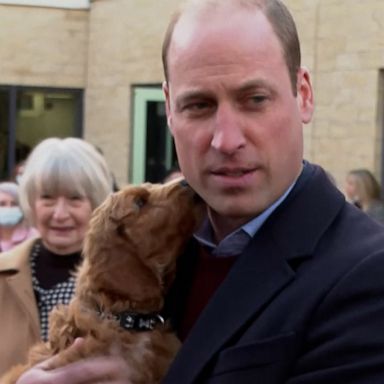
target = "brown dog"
x: 129, y: 263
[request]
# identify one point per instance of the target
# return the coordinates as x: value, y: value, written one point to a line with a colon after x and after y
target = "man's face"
x: 235, y: 119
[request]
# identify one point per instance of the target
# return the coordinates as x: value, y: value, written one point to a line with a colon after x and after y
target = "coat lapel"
x: 21, y: 284
x: 14, y: 263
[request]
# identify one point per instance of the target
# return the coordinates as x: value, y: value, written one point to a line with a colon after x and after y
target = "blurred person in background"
x: 18, y: 171
x: 363, y: 190
x: 63, y: 182
x: 14, y: 229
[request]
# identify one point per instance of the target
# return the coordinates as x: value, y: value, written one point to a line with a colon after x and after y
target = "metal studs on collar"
x: 139, y: 322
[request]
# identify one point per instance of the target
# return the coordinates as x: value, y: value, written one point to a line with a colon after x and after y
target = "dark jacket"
x: 304, y: 303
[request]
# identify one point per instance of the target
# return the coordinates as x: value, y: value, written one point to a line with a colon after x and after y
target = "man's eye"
x: 197, y: 109
x: 254, y: 102
x: 258, y: 99
x: 200, y: 105
x: 196, y: 106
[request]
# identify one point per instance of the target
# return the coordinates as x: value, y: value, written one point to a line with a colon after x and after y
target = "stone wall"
x: 43, y: 46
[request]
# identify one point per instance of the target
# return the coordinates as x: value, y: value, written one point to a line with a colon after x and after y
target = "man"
x: 284, y: 282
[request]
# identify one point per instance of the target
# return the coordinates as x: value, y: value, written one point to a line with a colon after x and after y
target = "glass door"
x: 153, y: 152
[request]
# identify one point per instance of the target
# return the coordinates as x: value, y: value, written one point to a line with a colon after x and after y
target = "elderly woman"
x: 63, y: 182
x: 14, y: 229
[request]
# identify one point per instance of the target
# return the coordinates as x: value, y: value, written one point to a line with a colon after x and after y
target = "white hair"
x: 69, y: 166
x: 11, y: 189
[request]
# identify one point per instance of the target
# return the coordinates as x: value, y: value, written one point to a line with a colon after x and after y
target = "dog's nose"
x: 184, y: 183
x: 196, y: 198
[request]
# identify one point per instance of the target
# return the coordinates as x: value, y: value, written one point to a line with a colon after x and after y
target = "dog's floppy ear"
x: 127, y: 202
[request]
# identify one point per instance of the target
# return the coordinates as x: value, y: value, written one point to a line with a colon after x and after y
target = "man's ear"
x: 305, y: 95
x: 167, y: 105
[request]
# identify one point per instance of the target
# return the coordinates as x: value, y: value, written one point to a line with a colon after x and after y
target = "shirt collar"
x: 236, y: 241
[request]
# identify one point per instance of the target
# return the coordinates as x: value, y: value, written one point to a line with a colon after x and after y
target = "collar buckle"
x: 139, y: 322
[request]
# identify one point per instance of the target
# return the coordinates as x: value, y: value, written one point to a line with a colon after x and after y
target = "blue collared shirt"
x: 235, y: 242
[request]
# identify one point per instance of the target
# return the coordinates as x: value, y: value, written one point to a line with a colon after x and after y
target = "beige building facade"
x: 110, y: 48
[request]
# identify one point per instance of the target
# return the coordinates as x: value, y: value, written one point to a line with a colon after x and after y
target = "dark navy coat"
x: 304, y: 303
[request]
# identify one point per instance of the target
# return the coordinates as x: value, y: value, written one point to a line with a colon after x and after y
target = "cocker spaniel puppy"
x: 129, y: 263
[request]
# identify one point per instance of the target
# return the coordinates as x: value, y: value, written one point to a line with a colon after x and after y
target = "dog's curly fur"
x: 129, y: 263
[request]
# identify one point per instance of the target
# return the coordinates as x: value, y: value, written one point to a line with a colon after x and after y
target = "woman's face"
x: 351, y: 188
x: 10, y: 212
x: 62, y: 221
x: 7, y: 200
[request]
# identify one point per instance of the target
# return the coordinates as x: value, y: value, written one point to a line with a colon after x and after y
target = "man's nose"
x: 228, y: 135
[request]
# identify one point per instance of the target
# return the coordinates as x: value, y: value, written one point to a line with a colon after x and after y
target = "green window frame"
x: 142, y: 96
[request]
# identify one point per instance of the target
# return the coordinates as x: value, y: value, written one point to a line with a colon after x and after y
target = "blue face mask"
x: 10, y: 216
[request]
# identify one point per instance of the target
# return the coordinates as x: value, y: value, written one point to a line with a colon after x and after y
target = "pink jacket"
x: 20, y: 234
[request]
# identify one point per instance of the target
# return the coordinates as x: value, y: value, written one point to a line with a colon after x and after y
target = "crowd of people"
x: 283, y: 281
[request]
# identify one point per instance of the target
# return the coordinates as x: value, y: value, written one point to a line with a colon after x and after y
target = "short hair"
x: 69, y: 166
x: 10, y: 188
x: 368, y: 188
x: 275, y: 11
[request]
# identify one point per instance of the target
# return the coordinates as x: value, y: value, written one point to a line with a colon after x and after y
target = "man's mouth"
x: 238, y: 172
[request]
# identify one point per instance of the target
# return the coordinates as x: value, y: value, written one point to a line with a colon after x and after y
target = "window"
x: 153, y: 151
x: 29, y: 115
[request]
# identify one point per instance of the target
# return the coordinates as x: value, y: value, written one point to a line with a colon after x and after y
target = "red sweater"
x: 208, y: 274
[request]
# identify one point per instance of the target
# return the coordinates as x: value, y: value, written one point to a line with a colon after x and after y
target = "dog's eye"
x: 140, y: 201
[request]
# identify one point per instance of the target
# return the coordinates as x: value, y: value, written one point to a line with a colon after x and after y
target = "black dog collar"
x: 139, y: 321
x: 135, y: 321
